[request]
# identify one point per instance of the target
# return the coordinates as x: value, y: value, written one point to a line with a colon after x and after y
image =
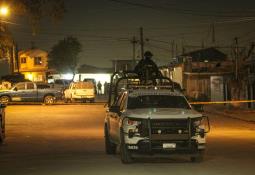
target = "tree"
x: 35, y: 10
x: 64, y: 55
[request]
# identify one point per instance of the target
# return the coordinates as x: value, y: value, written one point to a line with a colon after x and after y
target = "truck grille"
x: 175, y: 129
x: 169, y: 126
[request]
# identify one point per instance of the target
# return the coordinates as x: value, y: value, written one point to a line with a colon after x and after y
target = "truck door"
x: 18, y: 92
x: 114, y: 118
x: 30, y: 92
x: 123, y: 106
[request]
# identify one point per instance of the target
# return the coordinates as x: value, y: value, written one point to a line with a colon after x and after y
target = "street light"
x: 4, y: 11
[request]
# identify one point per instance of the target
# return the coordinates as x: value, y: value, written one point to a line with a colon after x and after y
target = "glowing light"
x: 30, y: 76
x: 67, y: 76
x: 4, y: 11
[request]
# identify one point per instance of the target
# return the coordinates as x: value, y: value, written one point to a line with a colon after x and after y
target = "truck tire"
x: 5, y: 99
x: 49, y: 100
x: 125, y: 155
x: 198, y: 158
x: 92, y: 100
x: 65, y: 100
x: 110, y: 148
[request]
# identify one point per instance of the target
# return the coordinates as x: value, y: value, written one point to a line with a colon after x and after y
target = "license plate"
x: 169, y: 145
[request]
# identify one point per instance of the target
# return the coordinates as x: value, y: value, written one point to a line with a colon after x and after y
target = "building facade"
x: 33, y: 64
x: 201, y: 73
x: 124, y: 65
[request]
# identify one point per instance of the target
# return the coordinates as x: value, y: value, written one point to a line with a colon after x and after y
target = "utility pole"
x: 134, y: 41
x: 236, y: 57
x: 183, y: 47
x: 172, y: 49
x: 176, y: 50
x: 142, y: 42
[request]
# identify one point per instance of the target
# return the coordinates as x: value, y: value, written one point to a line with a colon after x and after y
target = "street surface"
x: 68, y: 140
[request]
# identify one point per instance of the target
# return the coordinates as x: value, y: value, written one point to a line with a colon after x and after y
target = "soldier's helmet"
x: 148, y: 54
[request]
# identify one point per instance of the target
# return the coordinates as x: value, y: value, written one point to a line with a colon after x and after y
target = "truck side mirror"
x: 198, y: 108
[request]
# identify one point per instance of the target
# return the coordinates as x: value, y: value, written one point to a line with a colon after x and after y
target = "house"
x: 124, y: 65
x: 33, y: 64
x: 85, y: 72
x: 201, y: 73
x: 88, y: 69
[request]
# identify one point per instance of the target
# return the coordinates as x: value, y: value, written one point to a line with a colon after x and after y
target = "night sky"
x: 105, y: 27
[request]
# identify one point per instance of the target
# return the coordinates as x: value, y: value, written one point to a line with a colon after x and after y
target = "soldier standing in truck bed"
x: 147, y: 70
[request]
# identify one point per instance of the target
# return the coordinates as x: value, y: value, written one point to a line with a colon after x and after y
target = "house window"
x: 23, y: 60
x: 38, y: 61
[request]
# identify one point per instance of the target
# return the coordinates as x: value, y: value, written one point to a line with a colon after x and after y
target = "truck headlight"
x: 131, y: 122
x: 131, y: 126
x: 199, y: 127
x: 197, y: 123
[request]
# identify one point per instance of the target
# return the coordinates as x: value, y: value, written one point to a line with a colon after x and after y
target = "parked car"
x: 30, y: 92
x: 82, y: 91
x: 2, y: 122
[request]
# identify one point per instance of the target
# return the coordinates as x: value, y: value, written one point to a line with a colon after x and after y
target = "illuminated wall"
x: 34, y: 76
x: 102, y: 77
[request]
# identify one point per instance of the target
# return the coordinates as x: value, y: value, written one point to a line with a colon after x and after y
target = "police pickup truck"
x: 154, y: 120
x: 30, y: 92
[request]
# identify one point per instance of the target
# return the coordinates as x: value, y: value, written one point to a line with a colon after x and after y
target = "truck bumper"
x: 157, y: 147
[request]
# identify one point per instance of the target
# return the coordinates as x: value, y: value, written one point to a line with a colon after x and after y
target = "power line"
x: 174, y: 10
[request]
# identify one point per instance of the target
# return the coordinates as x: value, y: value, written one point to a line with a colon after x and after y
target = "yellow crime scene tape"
x: 222, y: 102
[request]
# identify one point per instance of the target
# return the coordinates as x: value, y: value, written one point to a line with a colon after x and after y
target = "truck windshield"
x: 157, y: 101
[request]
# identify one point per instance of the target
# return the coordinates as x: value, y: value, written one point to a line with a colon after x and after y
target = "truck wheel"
x: 66, y: 100
x: 5, y: 100
x: 198, y: 158
x: 92, y: 100
x: 49, y: 100
x: 124, y: 153
x: 110, y: 148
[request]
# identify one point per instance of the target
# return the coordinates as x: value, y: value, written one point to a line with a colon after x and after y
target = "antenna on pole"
x: 134, y: 41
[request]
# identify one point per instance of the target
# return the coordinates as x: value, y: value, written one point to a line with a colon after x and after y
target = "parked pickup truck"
x: 2, y: 122
x: 83, y: 91
x: 30, y: 92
